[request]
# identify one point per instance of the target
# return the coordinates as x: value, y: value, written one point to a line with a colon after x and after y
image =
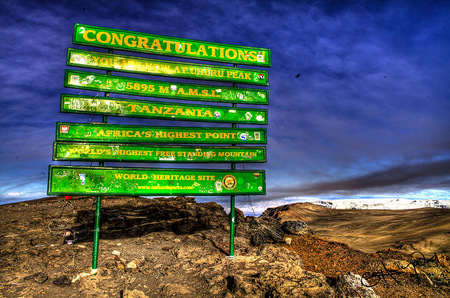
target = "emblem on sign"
x: 87, y: 80
x: 260, y: 57
x: 74, y: 80
x: 82, y: 178
x: 64, y: 128
x: 218, y: 185
x: 229, y: 182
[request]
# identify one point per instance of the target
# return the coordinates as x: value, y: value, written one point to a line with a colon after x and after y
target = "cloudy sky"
x: 359, y: 91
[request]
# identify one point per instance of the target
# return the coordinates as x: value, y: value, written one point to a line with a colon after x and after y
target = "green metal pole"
x: 96, y: 235
x: 232, y: 226
x: 98, y: 208
x: 232, y: 204
x: 232, y: 198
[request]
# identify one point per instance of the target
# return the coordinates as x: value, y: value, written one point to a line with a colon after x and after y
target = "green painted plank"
x: 71, y: 180
x: 73, y: 151
x: 126, y: 85
x: 159, y: 110
x: 131, y: 64
x: 169, y: 46
x: 155, y: 134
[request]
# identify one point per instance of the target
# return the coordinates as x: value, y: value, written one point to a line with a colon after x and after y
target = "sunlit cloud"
x: 13, y: 194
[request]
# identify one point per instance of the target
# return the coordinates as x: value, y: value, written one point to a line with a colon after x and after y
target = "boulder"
x: 296, y: 227
x: 349, y: 286
x: 264, y: 231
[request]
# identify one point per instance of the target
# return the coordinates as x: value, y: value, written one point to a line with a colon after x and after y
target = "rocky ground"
x: 175, y: 247
x: 426, y: 230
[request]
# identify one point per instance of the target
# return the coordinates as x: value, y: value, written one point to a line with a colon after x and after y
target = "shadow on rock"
x: 181, y: 215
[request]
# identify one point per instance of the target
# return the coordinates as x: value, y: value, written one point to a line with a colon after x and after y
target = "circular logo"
x: 229, y: 182
x: 217, y: 114
x: 173, y: 87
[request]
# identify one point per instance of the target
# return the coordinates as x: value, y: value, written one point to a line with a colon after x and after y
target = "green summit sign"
x: 153, y: 134
x: 114, y: 62
x: 126, y: 85
x: 171, y: 46
x: 159, y: 110
x: 73, y: 151
x: 73, y: 180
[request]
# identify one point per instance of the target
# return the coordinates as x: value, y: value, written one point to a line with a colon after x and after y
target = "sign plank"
x: 131, y: 64
x: 147, y: 181
x: 171, y: 46
x: 126, y: 85
x: 156, y: 134
x: 159, y: 110
x: 74, y: 151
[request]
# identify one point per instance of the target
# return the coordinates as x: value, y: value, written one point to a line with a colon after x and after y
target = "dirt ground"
x: 366, y: 241
x: 426, y: 230
x: 46, y: 251
x: 394, y: 280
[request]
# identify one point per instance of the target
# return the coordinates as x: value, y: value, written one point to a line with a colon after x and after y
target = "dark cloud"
x: 402, y: 178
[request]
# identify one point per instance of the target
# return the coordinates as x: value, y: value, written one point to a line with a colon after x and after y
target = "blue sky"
x: 359, y: 96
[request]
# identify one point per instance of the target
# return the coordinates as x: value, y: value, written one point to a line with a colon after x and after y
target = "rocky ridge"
x: 164, y: 247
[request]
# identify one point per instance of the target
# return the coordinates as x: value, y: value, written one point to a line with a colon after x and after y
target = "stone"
x: 349, y: 286
x: 292, y: 281
x: 120, y: 265
x: 174, y: 290
x: 288, y: 241
x: 133, y: 266
x: 258, y: 239
x: 296, y: 227
x: 238, y: 285
x: 266, y: 271
x: 134, y: 294
x: 267, y: 231
x: 63, y: 281
x: 39, y: 277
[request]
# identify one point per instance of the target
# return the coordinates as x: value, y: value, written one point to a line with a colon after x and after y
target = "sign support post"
x: 98, y: 206
x: 232, y: 204
x: 232, y: 198
x: 96, y: 235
